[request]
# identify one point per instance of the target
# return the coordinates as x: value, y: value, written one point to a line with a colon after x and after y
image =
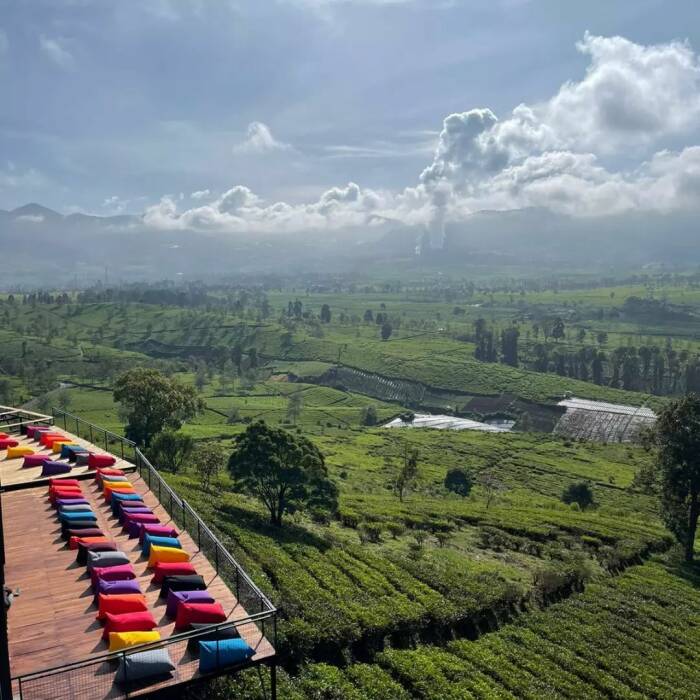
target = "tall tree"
x: 295, y: 405
x: 509, y: 346
x: 285, y: 472
x: 208, y: 460
x: 408, y: 473
x: 325, y: 314
x: 153, y: 402
x: 677, y: 439
x: 387, y: 330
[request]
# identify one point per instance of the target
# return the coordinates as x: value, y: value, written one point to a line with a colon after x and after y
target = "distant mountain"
x: 43, y: 247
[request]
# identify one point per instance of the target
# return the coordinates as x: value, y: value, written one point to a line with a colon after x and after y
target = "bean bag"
x: 133, y: 526
x: 82, y: 532
x: 100, y: 559
x: 117, y: 506
x: 57, y: 446
x: 124, y: 513
x: 32, y: 430
x: 144, y: 666
x: 46, y: 439
x: 112, y: 478
x: 124, y: 640
x: 163, y: 569
x: 71, y: 502
x: 61, y: 488
x: 64, y: 495
x: 107, y: 493
x: 187, y: 613
x: 210, y: 634
x: 33, y: 461
x: 157, y: 530
x: 227, y: 652
x: 160, y: 542
x: 109, y: 471
x: 71, y: 450
x: 58, y: 483
x: 8, y: 442
x: 127, y: 622
x: 190, y: 582
x: 74, y: 507
x: 170, y: 554
x: 120, y: 603
x: 176, y: 597
x: 118, y: 587
x: 19, y: 451
x: 4, y: 436
x: 80, y: 516
x: 81, y: 459
x: 96, y: 461
x: 124, y: 572
x: 93, y: 544
x: 50, y: 468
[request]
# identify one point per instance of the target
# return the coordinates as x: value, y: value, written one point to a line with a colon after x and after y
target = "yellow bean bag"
x: 19, y: 451
x: 170, y: 555
x: 122, y: 640
x: 59, y: 444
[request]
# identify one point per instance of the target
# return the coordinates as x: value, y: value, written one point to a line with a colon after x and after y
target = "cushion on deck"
x: 8, y: 442
x: 81, y: 459
x: 133, y: 526
x: 118, y: 587
x: 48, y: 439
x: 124, y: 640
x: 100, y: 559
x: 71, y: 450
x: 210, y: 634
x: 140, y: 509
x: 32, y: 429
x: 187, y: 613
x: 120, y: 603
x: 163, y: 569
x: 122, y: 572
x: 108, y: 470
x: 74, y: 507
x: 4, y: 436
x: 81, y: 515
x: 159, y: 542
x: 118, y: 506
x: 96, y: 461
x: 157, y: 530
x: 128, y: 622
x: 228, y: 652
x: 166, y: 554
x: 177, y: 597
x: 33, y: 461
x: 191, y: 582
x: 19, y: 451
x: 57, y: 483
x: 143, y: 666
x: 93, y: 544
x: 57, y: 445
x: 49, y: 468
x: 61, y: 502
x: 91, y: 531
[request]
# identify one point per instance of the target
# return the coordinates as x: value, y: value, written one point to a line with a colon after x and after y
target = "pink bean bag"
x: 128, y: 622
x: 97, y: 461
x: 203, y: 613
x: 157, y: 531
x: 121, y: 572
x: 33, y: 461
x: 8, y: 442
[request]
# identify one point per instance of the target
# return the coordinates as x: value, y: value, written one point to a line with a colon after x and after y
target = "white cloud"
x: 200, y: 194
x: 56, y: 52
x: 259, y: 139
x: 30, y: 218
x: 632, y: 101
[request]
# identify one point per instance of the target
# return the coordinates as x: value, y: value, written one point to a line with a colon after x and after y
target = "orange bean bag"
x: 171, y: 568
x: 203, y: 613
x: 120, y: 603
x: 128, y: 622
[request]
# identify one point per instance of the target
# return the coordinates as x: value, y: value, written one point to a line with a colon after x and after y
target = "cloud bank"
x: 633, y: 106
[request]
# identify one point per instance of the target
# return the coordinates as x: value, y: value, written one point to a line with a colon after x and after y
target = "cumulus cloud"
x: 56, y: 52
x: 259, y: 139
x: 632, y: 103
x: 200, y: 194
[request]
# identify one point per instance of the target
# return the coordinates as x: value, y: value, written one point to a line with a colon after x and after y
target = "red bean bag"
x: 75, y: 541
x: 209, y: 613
x: 171, y: 568
x: 47, y: 439
x: 120, y: 603
x: 109, y: 471
x: 8, y: 442
x: 64, y: 494
x: 128, y: 622
x: 121, y: 572
x: 4, y: 436
x: 57, y: 483
x: 97, y: 461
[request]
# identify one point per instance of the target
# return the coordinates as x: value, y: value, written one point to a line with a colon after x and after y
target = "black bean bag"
x: 83, y: 550
x: 77, y: 525
x: 191, y: 582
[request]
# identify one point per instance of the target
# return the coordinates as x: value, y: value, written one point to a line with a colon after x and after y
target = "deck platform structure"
x: 55, y: 644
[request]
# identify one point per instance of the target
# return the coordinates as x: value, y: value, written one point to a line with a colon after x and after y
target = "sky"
x: 286, y: 115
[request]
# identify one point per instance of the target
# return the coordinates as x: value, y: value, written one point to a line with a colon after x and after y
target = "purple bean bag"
x: 113, y: 587
x: 133, y: 527
x: 50, y: 468
x: 71, y: 502
x: 34, y: 461
x: 156, y: 530
x: 32, y: 430
x: 126, y: 512
x: 177, y: 597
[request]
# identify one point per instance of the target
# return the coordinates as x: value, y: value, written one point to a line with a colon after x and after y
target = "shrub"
x: 369, y: 532
x: 579, y: 492
x: 459, y: 481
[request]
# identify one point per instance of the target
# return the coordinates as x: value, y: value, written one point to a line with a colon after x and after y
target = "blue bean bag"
x: 148, y: 540
x: 70, y: 451
x: 228, y: 653
x: 81, y: 515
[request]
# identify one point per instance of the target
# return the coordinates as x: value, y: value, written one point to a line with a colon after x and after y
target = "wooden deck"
x: 53, y: 623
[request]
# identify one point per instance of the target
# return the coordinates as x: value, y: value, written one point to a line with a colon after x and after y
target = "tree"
x: 408, y: 473
x: 200, y: 378
x: 459, y: 481
x: 369, y: 416
x: 677, y: 440
x: 509, y: 346
x: 233, y: 416
x: 295, y: 405
x: 208, y: 461
x: 325, y: 314
x: 579, y: 492
x: 368, y: 316
x: 491, y: 485
x: 558, y: 329
x: 387, y: 330
x: 64, y: 399
x: 285, y: 472
x: 154, y: 402
x: 170, y: 450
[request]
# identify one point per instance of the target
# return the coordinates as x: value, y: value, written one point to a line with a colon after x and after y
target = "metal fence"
x: 94, y: 677
x: 15, y: 419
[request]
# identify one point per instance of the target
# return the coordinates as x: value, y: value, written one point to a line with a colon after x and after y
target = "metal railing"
x: 14, y: 419
x: 88, y: 678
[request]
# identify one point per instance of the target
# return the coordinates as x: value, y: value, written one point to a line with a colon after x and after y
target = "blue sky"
x: 110, y: 107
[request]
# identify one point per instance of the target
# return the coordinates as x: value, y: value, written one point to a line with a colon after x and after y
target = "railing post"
x: 216, y: 557
x: 91, y: 437
x: 273, y: 681
x: 199, y: 535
